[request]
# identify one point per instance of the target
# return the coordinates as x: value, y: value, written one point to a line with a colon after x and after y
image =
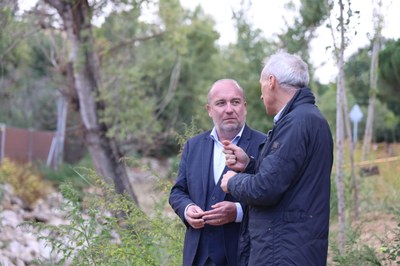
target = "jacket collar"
x: 302, y: 95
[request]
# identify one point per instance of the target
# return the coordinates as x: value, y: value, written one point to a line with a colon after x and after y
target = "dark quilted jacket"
x: 288, y: 190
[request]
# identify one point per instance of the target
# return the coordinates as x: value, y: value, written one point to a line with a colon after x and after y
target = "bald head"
x: 223, y: 84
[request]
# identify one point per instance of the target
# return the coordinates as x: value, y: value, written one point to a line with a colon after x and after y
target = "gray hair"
x: 289, y: 70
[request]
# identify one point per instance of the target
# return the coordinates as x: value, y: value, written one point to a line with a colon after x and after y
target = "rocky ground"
x: 18, y: 246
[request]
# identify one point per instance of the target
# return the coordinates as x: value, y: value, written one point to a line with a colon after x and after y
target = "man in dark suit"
x: 212, y: 218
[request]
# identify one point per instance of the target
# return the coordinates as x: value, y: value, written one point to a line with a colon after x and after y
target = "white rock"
x: 4, y: 261
x: 10, y: 218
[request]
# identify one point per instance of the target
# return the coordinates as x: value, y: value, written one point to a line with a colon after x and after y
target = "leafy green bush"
x: 391, y: 248
x: 27, y: 182
x: 355, y: 253
x: 109, y: 229
x: 333, y: 199
x: 348, y: 198
x: 65, y: 173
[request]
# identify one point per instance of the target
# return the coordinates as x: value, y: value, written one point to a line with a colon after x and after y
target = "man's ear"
x: 208, y: 107
x: 272, y: 81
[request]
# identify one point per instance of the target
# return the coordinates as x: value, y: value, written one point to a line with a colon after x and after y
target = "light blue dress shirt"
x: 219, y: 164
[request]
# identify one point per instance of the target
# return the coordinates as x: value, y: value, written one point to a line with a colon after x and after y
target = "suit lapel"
x: 244, y: 141
x: 207, y: 155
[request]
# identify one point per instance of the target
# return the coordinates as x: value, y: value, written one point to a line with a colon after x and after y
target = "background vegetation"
x: 149, y: 85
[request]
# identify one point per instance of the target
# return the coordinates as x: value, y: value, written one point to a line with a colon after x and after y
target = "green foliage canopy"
x: 389, y: 70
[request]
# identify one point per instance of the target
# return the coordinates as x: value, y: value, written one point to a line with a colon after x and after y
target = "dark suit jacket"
x: 192, y: 183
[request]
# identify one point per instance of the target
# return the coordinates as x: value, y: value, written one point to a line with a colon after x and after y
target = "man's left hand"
x: 221, y: 213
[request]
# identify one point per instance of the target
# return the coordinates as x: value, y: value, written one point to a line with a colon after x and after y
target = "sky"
x: 270, y: 16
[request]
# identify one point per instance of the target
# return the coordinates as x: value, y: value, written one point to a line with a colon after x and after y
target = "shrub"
x: 391, y: 249
x: 109, y: 229
x: 26, y: 181
x: 65, y: 173
x: 355, y: 253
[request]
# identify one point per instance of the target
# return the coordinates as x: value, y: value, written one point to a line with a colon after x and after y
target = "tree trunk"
x: 352, y: 147
x: 56, y: 154
x: 373, y: 83
x: 339, y: 137
x: 76, y: 16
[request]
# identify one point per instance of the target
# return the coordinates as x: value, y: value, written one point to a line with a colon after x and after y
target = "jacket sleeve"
x: 250, y: 168
x: 277, y: 171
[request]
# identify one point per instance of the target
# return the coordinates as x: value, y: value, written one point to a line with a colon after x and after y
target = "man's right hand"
x: 236, y: 157
x: 194, y: 216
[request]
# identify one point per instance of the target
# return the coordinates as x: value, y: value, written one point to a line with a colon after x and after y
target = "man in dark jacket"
x: 287, y: 188
x: 212, y: 218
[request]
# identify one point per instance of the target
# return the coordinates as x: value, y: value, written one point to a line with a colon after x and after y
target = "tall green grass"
x: 379, y: 197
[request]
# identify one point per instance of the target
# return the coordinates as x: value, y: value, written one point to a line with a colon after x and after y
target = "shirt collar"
x: 235, y: 140
x: 278, y: 115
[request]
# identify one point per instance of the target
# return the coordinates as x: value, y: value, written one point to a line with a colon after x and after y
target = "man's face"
x: 227, y: 107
